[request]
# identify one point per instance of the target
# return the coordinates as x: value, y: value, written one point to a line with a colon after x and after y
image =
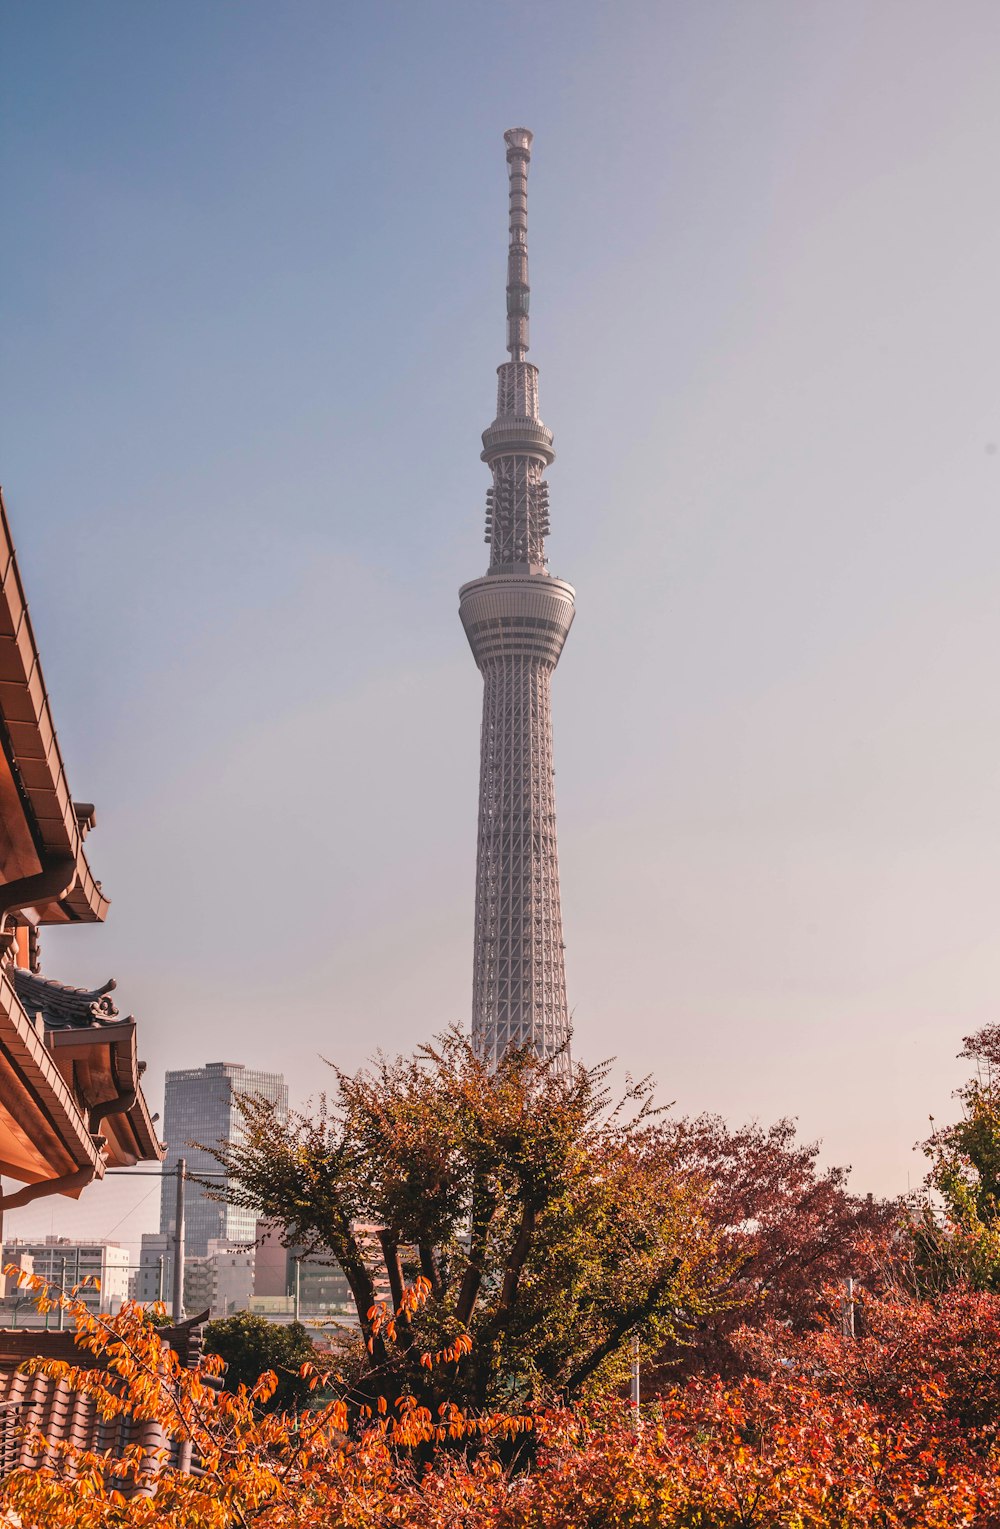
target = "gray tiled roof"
x: 33, y: 1405
x: 62, y: 1007
x: 40, y: 1404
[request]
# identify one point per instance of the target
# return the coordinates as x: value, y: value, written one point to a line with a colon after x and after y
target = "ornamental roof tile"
x: 62, y: 1007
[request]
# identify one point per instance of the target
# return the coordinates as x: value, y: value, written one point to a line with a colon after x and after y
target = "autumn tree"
x: 531, y: 1215
x: 785, y: 1228
x: 956, y: 1230
x: 186, y: 1454
x: 926, y: 1369
x: 896, y: 1430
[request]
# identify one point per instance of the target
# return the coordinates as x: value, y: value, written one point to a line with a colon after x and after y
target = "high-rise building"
x: 516, y: 619
x: 199, y: 1106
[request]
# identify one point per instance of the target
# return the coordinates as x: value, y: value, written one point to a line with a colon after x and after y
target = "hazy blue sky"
x: 252, y: 283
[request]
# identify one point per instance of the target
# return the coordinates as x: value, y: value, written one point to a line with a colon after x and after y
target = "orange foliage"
x: 835, y: 1433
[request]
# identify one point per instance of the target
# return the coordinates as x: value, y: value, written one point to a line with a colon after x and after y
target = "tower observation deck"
x: 516, y: 618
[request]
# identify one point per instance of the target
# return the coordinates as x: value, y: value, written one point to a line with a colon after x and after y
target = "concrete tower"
x: 516, y: 619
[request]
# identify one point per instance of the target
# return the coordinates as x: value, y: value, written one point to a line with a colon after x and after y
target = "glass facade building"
x: 199, y: 1105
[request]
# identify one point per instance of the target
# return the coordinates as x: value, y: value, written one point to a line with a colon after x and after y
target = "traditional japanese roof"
x: 64, y: 1416
x: 70, y: 1097
x: 62, y: 1007
x: 40, y: 824
x: 44, y: 1133
x: 80, y: 1049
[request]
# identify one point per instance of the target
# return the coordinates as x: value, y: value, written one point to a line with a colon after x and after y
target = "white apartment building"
x: 64, y: 1263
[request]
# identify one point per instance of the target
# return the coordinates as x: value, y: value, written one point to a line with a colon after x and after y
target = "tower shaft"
x: 516, y: 618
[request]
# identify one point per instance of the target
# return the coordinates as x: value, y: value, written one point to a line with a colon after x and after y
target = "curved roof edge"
x: 32, y: 748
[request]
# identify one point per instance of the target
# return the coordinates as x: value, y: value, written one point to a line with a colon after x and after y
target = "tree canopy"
x: 530, y: 1214
x: 786, y: 1227
x: 558, y: 1225
x: 957, y: 1230
x: 896, y: 1430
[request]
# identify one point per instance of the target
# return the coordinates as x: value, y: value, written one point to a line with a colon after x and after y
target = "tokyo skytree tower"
x: 516, y: 619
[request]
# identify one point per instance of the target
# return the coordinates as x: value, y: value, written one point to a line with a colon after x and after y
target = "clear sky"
x: 252, y: 278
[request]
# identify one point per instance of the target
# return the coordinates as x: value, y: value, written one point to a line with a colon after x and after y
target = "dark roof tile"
x: 33, y: 1405
x: 62, y: 1007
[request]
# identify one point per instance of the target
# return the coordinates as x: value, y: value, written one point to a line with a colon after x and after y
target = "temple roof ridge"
x: 63, y: 1007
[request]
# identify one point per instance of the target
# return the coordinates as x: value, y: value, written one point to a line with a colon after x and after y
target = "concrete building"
x: 15, y: 1297
x: 516, y: 619
x: 153, y: 1278
x: 232, y: 1278
x: 290, y: 1282
x: 64, y: 1264
x: 200, y: 1106
x: 221, y: 1282
x: 312, y: 1284
x: 198, y: 1282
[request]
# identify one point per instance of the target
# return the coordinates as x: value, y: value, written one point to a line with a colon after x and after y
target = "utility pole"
x: 847, y: 1309
x: 635, y: 1381
x: 177, y: 1311
x: 62, y: 1294
x: 298, y: 1281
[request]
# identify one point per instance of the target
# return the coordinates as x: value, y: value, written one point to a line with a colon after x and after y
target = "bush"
x: 250, y: 1345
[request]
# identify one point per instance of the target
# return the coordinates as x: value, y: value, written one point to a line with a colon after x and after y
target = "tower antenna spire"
x: 518, y: 141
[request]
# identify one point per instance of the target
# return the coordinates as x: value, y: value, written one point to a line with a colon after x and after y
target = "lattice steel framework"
x: 516, y: 619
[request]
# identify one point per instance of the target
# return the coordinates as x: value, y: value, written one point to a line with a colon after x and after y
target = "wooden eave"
x: 101, y: 1066
x: 43, y: 1132
x: 50, y: 827
x: 132, y: 1136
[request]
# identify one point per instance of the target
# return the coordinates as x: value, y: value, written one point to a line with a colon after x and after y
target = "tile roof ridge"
x: 62, y: 1006
x: 21, y: 975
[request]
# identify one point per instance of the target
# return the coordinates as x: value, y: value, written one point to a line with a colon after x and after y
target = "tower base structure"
x: 516, y: 625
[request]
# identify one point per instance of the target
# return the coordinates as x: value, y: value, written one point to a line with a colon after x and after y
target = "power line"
x: 136, y: 1207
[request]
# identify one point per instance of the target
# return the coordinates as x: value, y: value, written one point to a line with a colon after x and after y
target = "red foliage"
x: 753, y: 1456
x: 926, y: 1367
x: 787, y: 1227
x: 898, y: 1427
